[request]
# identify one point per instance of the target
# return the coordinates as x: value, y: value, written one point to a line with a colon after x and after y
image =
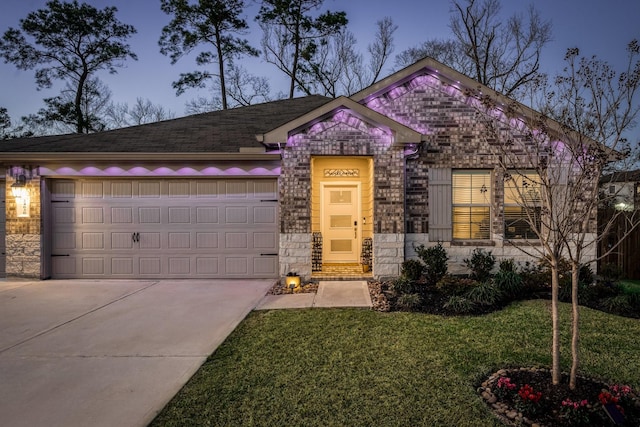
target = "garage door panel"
x: 64, y: 267
x: 179, y: 240
x: 206, y: 240
x: 236, y: 215
x: 149, y: 189
x: 180, y: 215
x: 179, y: 189
x: 150, y: 266
x: 236, y: 266
x: 180, y: 266
x: 92, y: 215
x: 207, y: 189
x: 64, y: 241
x: 92, y: 190
x: 92, y: 241
x: 206, y: 228
x: 63, y: 215
x: 265, y: 241
x: 235, y: 189
x: 264, y: 215
x: 207, y: 215
x: 266, y: 266
x: 122, y: 215
x: 120, y: 241
x: 236, y: 240
x: 150, y: 215
x: 93, y: 266
x: 150, y: 241
x: 122, y: 189
x: 207, y: 266
x: 122, y: 266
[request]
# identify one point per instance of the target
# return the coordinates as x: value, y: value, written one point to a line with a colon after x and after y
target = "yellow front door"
x: 340, y: 227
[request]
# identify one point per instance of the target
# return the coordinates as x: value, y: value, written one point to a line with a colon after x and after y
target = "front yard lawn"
x: 338, y: 367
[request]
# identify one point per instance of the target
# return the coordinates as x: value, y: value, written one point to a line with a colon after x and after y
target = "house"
x: 316, y: 186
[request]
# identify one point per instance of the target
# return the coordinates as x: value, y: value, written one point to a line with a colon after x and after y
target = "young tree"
x: 207, y: 22
x: 69, y: 42
x: 554, y: 173
x: 504, y: 56
x: 292, y: 36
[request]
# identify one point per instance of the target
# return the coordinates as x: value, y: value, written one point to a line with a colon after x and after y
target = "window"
x: 471, y: 197
x: 521, y: 205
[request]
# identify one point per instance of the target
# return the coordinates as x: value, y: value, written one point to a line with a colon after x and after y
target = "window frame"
x: 477, y: 225
x: 526, y: 232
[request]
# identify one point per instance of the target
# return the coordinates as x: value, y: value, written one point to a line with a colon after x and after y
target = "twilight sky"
x: 597, y: 27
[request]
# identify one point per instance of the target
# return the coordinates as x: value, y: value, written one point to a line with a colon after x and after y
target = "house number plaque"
x: 341, y: 173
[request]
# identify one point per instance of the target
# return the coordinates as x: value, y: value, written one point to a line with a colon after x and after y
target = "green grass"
x: 631, y: 286
x: 339, y: 367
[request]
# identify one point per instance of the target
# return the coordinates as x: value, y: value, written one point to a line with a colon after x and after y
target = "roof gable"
x: 401, y: 133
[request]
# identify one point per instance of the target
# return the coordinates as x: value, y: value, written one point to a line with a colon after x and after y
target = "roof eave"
x: 124, y: 156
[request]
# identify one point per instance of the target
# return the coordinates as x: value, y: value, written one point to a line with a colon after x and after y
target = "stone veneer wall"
x: 23, y: 245
x: 340, y: 135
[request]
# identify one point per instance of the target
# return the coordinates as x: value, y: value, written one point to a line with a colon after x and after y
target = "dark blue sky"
x: 597, y: 27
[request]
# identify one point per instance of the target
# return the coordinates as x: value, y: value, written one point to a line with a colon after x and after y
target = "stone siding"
x: 23, y: 240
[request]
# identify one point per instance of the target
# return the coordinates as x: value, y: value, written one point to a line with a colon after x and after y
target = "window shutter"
x: 440, y: 205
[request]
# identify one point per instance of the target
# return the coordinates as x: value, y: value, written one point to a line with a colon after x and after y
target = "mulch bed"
x: 548, y: 411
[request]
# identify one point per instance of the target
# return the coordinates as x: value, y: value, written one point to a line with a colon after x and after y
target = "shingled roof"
x: 223, y: 131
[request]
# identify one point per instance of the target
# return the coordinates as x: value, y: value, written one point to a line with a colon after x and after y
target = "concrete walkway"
x: 330, y: 294
x: 107, y: 352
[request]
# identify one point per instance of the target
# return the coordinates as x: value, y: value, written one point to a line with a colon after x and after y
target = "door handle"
x: 135, y: 237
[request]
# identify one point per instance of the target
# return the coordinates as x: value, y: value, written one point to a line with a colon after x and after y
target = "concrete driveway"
x: 109, y: 352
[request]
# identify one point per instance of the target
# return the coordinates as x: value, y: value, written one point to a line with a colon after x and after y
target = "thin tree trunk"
x: 575, y: 327
x: 555, y: 325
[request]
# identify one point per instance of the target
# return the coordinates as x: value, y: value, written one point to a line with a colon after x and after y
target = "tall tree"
x: 503, y: 55
x: 143, y: 111
x: 69, y: 42
x: 59, y: 115
x: 206, y: 22
x: 337, y: 68
x: 292, y: 36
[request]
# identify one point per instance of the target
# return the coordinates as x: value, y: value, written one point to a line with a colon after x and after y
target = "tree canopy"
x: 293, y: 35
x: 71, y: 42
x: 207, y: 22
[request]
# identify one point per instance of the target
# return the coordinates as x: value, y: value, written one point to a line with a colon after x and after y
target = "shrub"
x: 510, y: 283
x: 409, y: 301
x: 610, y: 273
x: 481, y: 263
x: 619, y: 304
x: 455, y: 285
x: 459, y: 305
x: 435, y: 262
x: 485, y: 294
x: 402, y: 285
x: 412, y: 269
x: 507, y: 265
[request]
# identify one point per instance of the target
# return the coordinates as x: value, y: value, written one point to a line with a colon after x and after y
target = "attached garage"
x: 163, y: 228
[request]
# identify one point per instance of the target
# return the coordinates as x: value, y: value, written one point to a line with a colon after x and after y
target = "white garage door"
x: 146, y: 228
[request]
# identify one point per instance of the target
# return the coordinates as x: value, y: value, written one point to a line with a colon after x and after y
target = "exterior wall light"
x: 18, y: 188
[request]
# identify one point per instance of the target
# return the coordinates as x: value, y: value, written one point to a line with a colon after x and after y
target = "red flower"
x: 528, y: 394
